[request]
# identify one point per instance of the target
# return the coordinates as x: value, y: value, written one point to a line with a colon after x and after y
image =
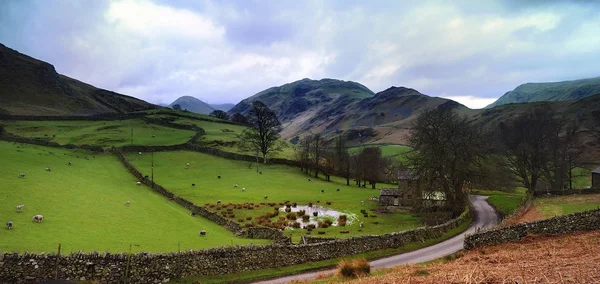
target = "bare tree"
x: 317, y: 150
x: 448, y: 153
x: 261, y: 136
x: 373, y: 165
x: 342, y: 158
x: 303, y: 153
x: 540, y: 144
x: 239, y: 118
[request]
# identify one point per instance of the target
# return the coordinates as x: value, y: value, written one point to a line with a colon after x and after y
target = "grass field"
x: 280, y: 183
x: 562, y: 205
x: 100, y: 133
x: 84, y: 206
x: 387, y: 150
x: 505, y: 202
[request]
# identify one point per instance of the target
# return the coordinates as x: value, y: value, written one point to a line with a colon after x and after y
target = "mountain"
x: 223, y: 107
x: 32, y: 87
x: 555, y: 91
x: 332, y: 106
x: 193, y: 104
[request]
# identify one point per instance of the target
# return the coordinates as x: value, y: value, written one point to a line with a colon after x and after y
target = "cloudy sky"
x: 224, y: 51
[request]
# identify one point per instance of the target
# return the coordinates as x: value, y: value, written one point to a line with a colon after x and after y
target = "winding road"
x: 486, y: 216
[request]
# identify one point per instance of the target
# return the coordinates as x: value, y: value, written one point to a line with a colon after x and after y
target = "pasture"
x: 280, y: 183
x: 99, y: 133
x: 505, y: 202
x: 84, y: 206
x: 387, y: 150
x: 562, y: 205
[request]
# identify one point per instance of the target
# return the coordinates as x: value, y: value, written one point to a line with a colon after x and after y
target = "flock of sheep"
x: 38, y: 218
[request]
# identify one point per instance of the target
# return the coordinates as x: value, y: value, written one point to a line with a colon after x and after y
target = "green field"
x: 280, y: 183
x: 99, y: 133
x: 387, y: 150
x: 563, y: 205
x: 84, y: 206
x: 505, y: 202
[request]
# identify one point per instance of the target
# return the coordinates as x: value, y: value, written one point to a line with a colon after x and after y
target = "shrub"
x: 248, y: 218
x: 241, y: 220
x: 328, y: 202
x: 288, y: 210
x: 296, y: 225
x: 328, y: 222
x: 288, y: 205
x: 294, y: 204
x: 353, y: 268
x: 276, y: 208
x: 315, y: 213
x: 301, y: 213
x: 342, y: 220
x: 305, y: 218
x: 310, y: 226
x: 310, y: 204
x: 291, y: 216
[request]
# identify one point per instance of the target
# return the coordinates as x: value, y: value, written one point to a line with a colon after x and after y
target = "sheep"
x: 139, y: 183
x: 266, y: 197
x: 203, y: 233
x: 235, y: 185
x: 362, y: 202
x: 22, y: 175
x: 37, y: 218
x: 20, y: 208
x: 70, y: 164
x: 322, y: 191
x: 260, y: 172
x: 153, y: 136
x: 219, y: 177
x: 187, y: 165
x: 48, y: 169
x: 127, y: 203
x: 361, y: 224
x: 9, y: 225
x: 218, y: 201
x: 309, y: 180
x: 243, y: 189
x: 193, y: 184
x: 338, y: 189
x: 140, y: 153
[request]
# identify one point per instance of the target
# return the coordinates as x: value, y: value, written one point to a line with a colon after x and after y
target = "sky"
x: 224, y: 51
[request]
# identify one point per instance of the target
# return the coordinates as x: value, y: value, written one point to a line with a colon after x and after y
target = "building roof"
x: 407, y: 175
x: 390, y: 191
x: 596, y: 171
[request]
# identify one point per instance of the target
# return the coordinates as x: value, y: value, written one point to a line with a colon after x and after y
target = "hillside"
x: 330, y: 106
x: 32, y: 87
x: 555, y: 91
x: 223, y: 107
x: 193, y: 104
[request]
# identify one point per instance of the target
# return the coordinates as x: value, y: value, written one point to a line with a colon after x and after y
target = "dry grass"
x: 353, y: 268
x: 573, y: 258
x: 533, y: 214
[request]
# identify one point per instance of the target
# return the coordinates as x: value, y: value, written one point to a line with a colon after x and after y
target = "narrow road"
x: 486, y: 216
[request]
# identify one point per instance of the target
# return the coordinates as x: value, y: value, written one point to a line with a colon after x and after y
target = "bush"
x: 288, y: 210
x: 310, y: 204
x: 353, y: 268
x: 310, y: 227
x: 305, y: 218
x: 296, y: 225
x: 248, y: 218
x: 342, y: 220
x: 291, y: 216
x: 301, y: 213
x: 315, y: 213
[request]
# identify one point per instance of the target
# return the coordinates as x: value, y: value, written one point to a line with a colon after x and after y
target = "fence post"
x: 57, y: 262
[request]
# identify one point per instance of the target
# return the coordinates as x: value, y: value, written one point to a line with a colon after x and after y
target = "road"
x: 486, y: 216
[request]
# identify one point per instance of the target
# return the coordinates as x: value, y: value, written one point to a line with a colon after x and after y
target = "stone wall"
x: 156, y: 268
x: 44, y: 142
x: 584, y: 221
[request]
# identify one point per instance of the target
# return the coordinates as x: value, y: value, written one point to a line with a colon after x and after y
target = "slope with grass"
x: 192, y: 104
x: 570, y: 258
x: 32, y: 87
x: 548, y: 207
x: 387, y: 150
x: 84, y: 206
x: 99, y: 133
x: 279, y: 183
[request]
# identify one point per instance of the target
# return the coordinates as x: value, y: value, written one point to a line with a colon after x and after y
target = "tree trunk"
x: 373, y: 185
x: 347, y: 180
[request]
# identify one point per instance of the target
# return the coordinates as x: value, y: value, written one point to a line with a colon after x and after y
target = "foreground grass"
x: 280, y: 183
x: 571, y: 258
x: 100, y: 133
x: 249, y: 276
x: 505, y: 202
x: 84, y: 206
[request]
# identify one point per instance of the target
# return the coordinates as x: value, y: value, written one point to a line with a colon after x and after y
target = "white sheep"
x: 139, y: 183
x: 20, y: 208
x: 203, y: 233
x: 70, y: 163
x: 9, y: 225
x: 266, y: 197
x: 362, y: 202
x: 361, y: 224
x: 235, y: 185
x: 140, y: 153
x: 38, y: 218
x: 22, y: 175
x: 243, y: 189
x: 218, y: 201
x: 48, y: 169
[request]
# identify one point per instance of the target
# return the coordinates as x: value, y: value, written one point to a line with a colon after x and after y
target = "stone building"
x: 404, y: 195
x: 596, y: 178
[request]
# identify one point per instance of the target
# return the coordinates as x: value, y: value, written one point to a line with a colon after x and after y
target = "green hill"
x: 32, y: 87
x: 193, y: 104
x: 555, y: 91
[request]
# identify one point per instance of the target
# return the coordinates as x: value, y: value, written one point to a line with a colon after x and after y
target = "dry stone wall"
x: 157, y: 268
x: 583, y: 221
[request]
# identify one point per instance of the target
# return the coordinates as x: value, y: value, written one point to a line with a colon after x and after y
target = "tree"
x: 448, y: 153
x: 373, y: 165
x: 540, y: 145
x: 261, y: 135
x: 176, y: 107
x: 317, y: 149
x: 219, y: 114
x: 239, y: 118
x: 303, y: 153
x: 342, y: 158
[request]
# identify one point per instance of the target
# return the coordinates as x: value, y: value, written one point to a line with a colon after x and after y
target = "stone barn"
x: 390, y: 197
x: 596, y: 178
